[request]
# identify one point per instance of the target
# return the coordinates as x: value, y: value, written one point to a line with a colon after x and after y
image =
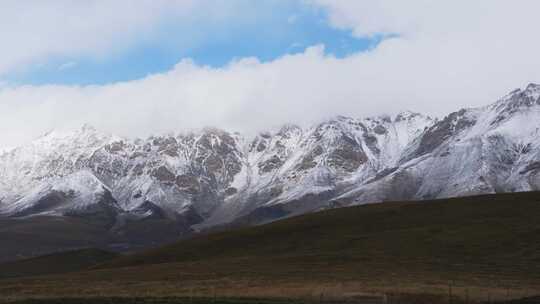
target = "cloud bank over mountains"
x: 435, y: 57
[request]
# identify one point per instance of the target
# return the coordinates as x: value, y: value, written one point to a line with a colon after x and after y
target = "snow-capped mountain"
x: 473, y: 151
x: 214, y: 177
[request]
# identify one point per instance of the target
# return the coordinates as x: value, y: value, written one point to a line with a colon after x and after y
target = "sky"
x: 136, y: 68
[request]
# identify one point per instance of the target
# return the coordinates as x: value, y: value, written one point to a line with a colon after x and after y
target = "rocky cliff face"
x: 213, y: 177
x: 471, y: 151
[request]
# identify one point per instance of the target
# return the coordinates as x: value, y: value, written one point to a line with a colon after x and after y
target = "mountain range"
x: 214, y: 178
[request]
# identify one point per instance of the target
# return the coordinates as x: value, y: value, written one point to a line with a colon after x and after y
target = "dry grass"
x: 485, y: 247
x: 270, y: 279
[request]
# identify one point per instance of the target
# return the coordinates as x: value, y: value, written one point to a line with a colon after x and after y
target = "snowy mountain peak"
x: 533, y: 87
x: 532, y: 90
x: 289, y: 130
x: 5, y: 150
x: 88, y: 128
x: 212, y: 176
x: 408, y: 115
x: 518, y: 102
x: 85, y: 134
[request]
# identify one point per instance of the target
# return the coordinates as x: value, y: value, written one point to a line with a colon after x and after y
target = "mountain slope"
x: 473, y: 151
x: 212, y: 178
x: 207, y: 178
x: 63, y: 262
x: 461, y: 233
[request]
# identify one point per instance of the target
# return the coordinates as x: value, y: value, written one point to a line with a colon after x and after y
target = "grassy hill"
x: 63, y: 262
x: 495, y: 233
x: 38, y: 235
x: 483, y: 247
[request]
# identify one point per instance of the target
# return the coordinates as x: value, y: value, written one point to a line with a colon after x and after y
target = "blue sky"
x: 273, y: 30
x: 65, y: 63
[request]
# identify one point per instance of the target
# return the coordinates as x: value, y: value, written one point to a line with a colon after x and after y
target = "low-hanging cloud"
x: 435, y: 58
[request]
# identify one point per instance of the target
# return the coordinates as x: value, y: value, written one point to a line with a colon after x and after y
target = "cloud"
x: 34, y: 31
x: 68, y: 65
x: 461, y: 52
x: 437, y: 57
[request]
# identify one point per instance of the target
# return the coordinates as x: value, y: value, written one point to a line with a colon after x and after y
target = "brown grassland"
x: 476, y: 249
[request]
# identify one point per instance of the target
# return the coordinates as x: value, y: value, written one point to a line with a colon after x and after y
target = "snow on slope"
x: 213, y: 177
x: 472, y: 151
x: 77, y: 193
x: 53, y: 156
x: 298, y: 169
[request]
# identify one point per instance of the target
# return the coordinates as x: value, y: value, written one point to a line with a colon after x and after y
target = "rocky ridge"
x: 213, y: 177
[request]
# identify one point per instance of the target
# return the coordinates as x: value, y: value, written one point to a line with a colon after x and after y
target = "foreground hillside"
x: 486, y: 246
x: 38, y: 235
x: 493, y: 231
x: 63, y: 262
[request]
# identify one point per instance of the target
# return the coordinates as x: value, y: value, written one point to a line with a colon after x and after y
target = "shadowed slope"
x: 56, y: 263
x: 498, y: 232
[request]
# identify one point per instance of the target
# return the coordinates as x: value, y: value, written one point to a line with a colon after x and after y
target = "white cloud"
x: 462, y: 52
x: 33, y: 31
x: 68, y: 65
x: 446, y: 55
